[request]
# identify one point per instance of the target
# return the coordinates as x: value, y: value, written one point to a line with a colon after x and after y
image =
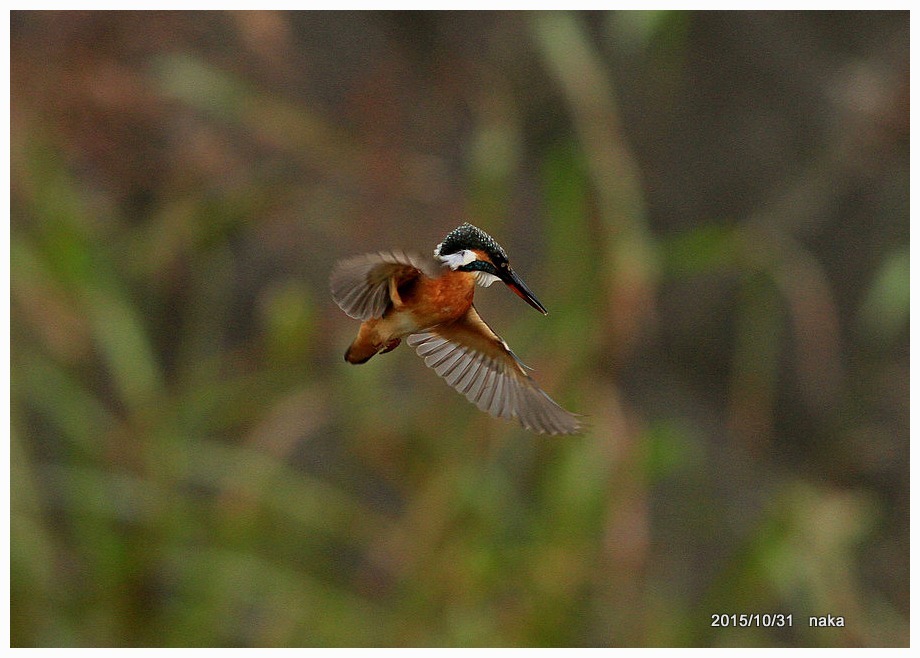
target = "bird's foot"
x: 391, y: 345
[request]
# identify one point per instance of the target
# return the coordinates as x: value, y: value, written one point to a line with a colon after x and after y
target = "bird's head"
x: 470, y: 249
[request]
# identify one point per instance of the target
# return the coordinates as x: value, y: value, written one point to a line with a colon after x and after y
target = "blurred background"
x: 712, y: 206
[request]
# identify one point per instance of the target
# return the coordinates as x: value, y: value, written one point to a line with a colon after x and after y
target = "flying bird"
x: 398, y: 294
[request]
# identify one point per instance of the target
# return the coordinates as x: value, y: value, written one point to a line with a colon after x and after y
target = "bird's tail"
x: 359, y: 353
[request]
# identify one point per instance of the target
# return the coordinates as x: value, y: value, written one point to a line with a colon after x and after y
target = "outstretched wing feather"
x: 478, y: 364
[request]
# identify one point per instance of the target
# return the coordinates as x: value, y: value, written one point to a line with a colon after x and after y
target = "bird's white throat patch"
x: 458, y: 259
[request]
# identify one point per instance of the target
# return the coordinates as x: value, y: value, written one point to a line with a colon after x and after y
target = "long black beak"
x: 513, y: 281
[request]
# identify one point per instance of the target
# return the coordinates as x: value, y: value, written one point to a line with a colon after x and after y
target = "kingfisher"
x: 399, y: 294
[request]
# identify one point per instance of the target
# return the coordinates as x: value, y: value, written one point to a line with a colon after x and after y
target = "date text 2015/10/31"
x: 767, y: 620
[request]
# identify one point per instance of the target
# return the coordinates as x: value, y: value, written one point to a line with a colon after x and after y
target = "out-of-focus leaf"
x: 202, y: 86
x: 288, y: 316
x: 637, y: 29
x: 699, y: 250
x: 886, y: 307
x: 123, y: 340
x: 670, y: 446
x: 64, y: 402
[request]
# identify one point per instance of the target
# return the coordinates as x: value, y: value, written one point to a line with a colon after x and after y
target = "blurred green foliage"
x: 725, y: 259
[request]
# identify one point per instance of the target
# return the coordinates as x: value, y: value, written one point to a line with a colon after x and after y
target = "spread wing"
x: 479, y: 364
x: 361, y: 285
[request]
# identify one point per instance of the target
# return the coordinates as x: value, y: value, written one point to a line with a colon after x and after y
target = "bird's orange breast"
x: 446, y: 298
